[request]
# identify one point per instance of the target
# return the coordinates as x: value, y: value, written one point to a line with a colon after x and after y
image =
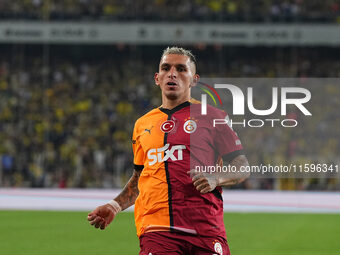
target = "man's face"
x: 176, y: 76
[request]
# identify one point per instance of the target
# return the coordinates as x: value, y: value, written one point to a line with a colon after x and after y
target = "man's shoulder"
x: 216, y: 111
x: 148, y: 116
x: 212, y: 112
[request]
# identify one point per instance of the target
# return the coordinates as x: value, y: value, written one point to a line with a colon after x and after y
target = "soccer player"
x: 178, y: 210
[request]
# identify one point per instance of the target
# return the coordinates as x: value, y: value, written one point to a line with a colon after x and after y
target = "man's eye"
x: 165, y: 68
x: 181, y: 69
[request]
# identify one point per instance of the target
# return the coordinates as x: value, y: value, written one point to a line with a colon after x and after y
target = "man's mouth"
x: 171, y: 84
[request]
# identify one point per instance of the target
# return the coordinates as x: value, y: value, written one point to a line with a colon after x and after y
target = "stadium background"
x: 68, y: 102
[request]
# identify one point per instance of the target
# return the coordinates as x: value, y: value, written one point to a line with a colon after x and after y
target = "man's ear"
x: 156, y: 79
x: 195, y: 80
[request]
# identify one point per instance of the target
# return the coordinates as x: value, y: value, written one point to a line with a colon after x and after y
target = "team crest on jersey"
x: 218, y: 248
x: 190, y: 125
x: 167, y: 126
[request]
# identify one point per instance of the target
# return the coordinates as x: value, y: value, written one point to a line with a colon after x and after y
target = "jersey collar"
x: 177, y: 108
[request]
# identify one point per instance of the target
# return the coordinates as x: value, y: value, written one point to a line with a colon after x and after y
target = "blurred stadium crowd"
x: 174, y: 10
x: 70, y: 125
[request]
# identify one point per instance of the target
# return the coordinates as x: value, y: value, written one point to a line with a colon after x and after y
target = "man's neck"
x: 170, y: 104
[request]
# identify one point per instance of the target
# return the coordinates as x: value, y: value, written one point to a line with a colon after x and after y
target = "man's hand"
x: 203, y: 182
x: 103, y: 215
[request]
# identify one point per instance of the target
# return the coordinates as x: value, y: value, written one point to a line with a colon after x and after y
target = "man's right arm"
x: 103, y: 215
x: 130, y: 192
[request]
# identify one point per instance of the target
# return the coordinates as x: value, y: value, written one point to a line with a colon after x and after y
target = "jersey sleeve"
x: 228, y: 144
x: 138, y: 153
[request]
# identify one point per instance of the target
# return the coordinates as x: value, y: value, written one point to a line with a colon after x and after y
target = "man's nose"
x: 172, y: 72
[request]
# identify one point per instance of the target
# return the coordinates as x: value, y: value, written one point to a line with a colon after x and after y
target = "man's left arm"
x: 233, y: 178
x: 207, y: 182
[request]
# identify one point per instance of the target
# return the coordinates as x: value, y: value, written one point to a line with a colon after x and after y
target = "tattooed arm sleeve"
x: 237, y: 177
x: 130, y: 192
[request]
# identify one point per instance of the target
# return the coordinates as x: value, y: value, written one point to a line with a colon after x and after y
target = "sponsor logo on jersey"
x: 167, y: 126
x: 156, y: 155
x: 190, y: 126
x: 148, y: 130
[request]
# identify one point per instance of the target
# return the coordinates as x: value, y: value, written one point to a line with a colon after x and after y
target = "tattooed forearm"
x: 235, y: 177
x: 130, y: 192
